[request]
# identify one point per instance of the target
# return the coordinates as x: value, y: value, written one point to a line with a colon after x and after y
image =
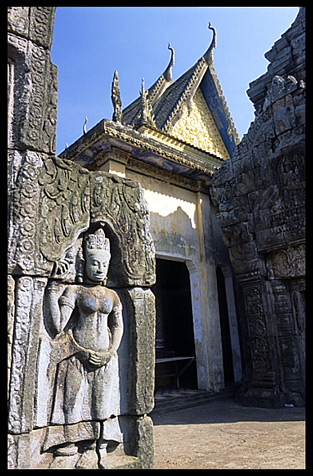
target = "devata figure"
x: 86, y: 321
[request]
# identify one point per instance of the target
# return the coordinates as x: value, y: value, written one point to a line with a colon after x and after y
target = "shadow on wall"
x: 174, y: 233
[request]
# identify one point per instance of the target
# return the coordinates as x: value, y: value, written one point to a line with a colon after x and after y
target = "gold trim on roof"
x: 197, y: 127
x: 180, y: 146
x: 187, y: 95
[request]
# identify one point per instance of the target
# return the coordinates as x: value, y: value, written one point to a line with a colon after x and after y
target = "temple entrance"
x: 175, y: 348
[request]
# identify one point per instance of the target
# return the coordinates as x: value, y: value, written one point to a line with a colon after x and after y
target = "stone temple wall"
x: 260, y: 195
x: 80, y: 335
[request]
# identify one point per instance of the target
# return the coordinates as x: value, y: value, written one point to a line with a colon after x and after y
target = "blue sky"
x: 90, y: 43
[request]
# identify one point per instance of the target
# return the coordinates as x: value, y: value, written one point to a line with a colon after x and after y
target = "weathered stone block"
x: 300, y: 114
x: 226, y: 218
x: 28, y: 315
x: 145, y: 441
x: 34, y: 122
x: 139, y: 304
x: 35, y: 24
x: 18, y: 20
x: 298, y: 44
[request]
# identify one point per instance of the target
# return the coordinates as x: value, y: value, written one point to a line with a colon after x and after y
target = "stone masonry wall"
x: 260, y: 195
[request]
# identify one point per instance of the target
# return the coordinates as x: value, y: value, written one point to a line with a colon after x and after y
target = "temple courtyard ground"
x: 224, y: 435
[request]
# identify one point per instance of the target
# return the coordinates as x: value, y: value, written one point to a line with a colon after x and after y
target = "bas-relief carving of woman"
x: 88, y: 319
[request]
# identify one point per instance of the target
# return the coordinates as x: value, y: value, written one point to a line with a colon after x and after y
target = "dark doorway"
x: 174, y: 322
x: 224, y: 321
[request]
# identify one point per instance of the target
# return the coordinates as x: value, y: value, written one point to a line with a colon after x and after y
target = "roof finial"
x: 85, y: 125
x: 116, y: 99
x: 173, y: 54
x: 144, y: 102
x: 145, y: 115
x: 208, y: 56
x: 168, y: 72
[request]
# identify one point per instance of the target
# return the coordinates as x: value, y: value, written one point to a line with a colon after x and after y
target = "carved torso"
x: 94, y: 303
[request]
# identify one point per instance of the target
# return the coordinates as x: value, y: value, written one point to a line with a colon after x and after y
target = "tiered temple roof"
x: 182, y: 126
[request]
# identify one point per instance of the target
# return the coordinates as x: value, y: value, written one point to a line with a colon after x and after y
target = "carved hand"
x: 98, y: 359
x: 55, y: 287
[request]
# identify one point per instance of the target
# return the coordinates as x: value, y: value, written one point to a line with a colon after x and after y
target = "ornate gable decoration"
x: 197, y: 127
x: 192, y: 109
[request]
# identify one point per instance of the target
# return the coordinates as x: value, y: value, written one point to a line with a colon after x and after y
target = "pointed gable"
x: 132, y: 112
x: 191, y: 109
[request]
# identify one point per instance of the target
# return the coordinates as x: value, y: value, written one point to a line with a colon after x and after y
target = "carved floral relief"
x: 56, y: 200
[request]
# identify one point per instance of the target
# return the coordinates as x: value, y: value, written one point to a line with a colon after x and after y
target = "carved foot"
x: 88, y: 459
x: 63, y: 462
x: 64, y: 457
x: 67, y: 450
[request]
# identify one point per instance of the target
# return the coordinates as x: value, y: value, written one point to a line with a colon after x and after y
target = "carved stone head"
x: 97, y: 255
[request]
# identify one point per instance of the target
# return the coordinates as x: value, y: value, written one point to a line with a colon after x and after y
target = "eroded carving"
x: 289, y: 262
x: 10, y: 321
x: 56, y: 200
x: 258, y: 333
x: 64, y: 206
x: 86, y: 322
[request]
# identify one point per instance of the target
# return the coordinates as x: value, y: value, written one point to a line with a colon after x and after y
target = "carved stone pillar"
x: 53, y: 301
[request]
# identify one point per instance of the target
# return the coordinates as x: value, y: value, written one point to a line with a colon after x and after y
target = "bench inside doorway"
x: 176, y: 366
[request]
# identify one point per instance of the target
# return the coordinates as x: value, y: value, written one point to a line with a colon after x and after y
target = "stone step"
x: 170, y: 400
x: 122, y: 462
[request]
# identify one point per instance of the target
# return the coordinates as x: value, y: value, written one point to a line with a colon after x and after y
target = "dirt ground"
x: 224, y: 435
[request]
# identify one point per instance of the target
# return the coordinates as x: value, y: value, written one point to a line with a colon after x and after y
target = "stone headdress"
x: 97, y: 241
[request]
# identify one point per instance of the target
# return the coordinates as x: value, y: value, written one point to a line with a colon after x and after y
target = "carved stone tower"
x: 260, y: 194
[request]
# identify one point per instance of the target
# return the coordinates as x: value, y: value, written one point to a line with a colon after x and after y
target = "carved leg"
x: 102, y: 451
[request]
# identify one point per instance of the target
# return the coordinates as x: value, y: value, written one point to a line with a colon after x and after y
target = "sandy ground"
x: 225, y: 435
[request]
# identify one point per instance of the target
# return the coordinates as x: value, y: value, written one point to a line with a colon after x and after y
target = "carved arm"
x: 59, y: 305
x: 116, y: 326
